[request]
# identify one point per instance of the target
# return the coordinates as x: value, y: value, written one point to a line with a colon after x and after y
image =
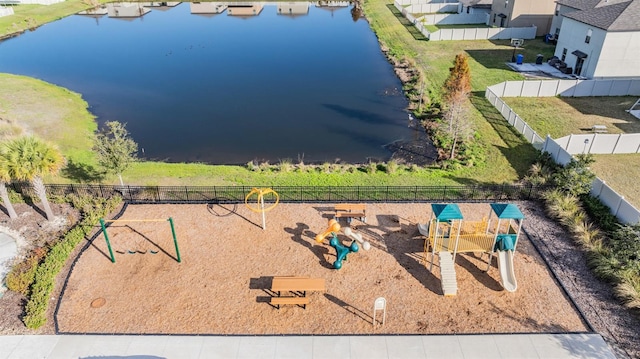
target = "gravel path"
x: 606, y: 315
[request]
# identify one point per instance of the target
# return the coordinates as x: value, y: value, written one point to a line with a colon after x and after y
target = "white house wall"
x: 620, y: 55
x: 572, y: 37
x: 556, y: 22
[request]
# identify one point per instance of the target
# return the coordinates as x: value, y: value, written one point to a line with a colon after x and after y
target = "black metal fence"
x: 290, y: 194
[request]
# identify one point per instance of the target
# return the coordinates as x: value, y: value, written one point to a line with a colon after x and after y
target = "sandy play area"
x: 228, y: 262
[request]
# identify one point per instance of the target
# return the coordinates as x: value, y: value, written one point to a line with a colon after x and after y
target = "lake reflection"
x: 226, y: 82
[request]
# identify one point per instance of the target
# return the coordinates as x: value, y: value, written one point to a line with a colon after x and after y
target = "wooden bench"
x: 599, y: 128
x: 301, y: 301
x: 351, y: 210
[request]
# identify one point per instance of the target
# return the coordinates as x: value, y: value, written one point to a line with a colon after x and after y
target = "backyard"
x: 620, y: 172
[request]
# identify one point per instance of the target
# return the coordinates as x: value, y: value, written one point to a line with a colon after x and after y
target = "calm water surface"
x: 226, y: 89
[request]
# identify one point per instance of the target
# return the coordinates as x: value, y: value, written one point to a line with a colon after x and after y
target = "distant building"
x: 126, y: 10
x: 523, y: 13
x: 293, y: 8
x: 244, y: 9
x: 207, y: 7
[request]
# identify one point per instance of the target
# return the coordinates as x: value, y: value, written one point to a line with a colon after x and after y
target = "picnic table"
x: 296, y: 286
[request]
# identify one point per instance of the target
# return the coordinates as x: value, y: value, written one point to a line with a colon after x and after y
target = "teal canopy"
x: 507, y: 211
x: 446, y: 212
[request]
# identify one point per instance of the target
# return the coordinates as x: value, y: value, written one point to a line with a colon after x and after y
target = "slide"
x: 507, y: 275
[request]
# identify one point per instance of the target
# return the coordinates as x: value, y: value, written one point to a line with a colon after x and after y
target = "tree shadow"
x: 226, y: 209
x: 407, y: 24
x: 349, y: 308
x: 319, y: 251
x: 533, y: 325
x: 82, y: 172
x: 479, y: 274
x: 405, y: 248
x: 518, y: 151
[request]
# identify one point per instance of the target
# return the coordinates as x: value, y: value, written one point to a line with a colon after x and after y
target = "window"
x: 564, y: 54
x: 556, y: 35
x: 588, y: 38
x: 494, y: 18
x: 506, y: 3
x: 557, y: 10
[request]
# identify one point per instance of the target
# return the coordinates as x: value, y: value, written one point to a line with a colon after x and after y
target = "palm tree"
x: 4, y: 179
x: 28, y: 159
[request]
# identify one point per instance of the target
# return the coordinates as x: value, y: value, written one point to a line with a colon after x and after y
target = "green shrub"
x: 576, y: 177
x: 285, y: 166
x: 392, y: 167
x: 21, y: 276
x: 600, y: 213
x: 38, y: 303
x: 253, y: 166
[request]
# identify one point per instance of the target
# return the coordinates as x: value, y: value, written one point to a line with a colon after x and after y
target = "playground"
x: 216, y: 275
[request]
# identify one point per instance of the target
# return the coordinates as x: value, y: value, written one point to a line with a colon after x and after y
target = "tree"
x: 115, y: 149
x: 4, y: 179
x: 28, y: 159
x: 575, y: 177
x: 457, y: 88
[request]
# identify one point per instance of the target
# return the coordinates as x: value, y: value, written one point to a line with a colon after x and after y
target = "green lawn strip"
x: 176, y: 174
x: 52, y: 113
x: 45, y: 277
x: 29, y: 16
x: 620, y: 172
x: 562, y: 116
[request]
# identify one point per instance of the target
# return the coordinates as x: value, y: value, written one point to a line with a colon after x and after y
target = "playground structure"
x: 448, y: 234
x: 341, y: 250
x: 357, y: 237
x: 635, y: 109
x: 103, y: 225
x: 261, y: 193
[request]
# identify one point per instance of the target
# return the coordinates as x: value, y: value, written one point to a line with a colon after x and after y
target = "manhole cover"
x: 98, y: 302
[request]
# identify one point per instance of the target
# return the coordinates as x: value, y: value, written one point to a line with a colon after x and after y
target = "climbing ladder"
x: 448, y: 274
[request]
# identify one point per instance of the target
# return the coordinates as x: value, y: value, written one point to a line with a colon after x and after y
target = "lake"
x: 226, y: 83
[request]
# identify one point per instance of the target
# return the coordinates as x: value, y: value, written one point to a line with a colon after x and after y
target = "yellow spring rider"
x: 260, y: 207
x: 447, y: 234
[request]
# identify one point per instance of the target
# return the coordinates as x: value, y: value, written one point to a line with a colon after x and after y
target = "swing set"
x: 103, y: 224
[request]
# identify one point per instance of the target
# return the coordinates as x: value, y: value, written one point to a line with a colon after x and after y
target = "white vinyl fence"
x: 484, y: 33
x: 514, y: 120
x: 467, y: 33
x: 6, y: 11
x: 418, y: 2
x: 563, y: 149
x: 601, y: 144
x: 454, y: 19
x: 567, y: 88
x: 429, y: 8
x: 620, y: 207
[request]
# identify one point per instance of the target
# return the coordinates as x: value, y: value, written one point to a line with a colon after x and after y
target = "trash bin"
x: 519, y: 59
x: 539, y: 59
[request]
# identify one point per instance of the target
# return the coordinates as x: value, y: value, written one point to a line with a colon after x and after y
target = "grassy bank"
x: 27, y: 17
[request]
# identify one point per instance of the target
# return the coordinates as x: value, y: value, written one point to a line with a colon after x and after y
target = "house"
x: 126, y: 10
x: 244, y: 8
x: 599, y: 38
x: 523, y: 13
x: 206, y: 8
x: 293, y: 8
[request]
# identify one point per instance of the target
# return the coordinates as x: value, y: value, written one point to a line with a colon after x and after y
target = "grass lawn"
x: 621, y: 173
x: 561, y: 116
x: 29, y: 16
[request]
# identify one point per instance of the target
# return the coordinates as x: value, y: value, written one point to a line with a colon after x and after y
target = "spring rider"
x: 341, y: 250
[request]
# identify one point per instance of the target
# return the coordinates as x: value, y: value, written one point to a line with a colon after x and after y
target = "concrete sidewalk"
x: 545, y: 346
